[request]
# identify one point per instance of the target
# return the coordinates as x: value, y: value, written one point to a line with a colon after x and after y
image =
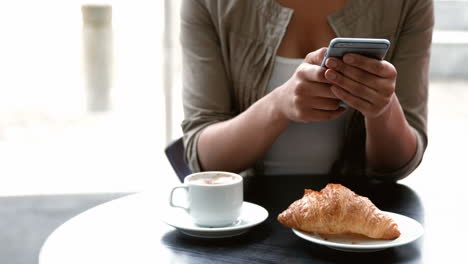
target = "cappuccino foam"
x: 215, y: 179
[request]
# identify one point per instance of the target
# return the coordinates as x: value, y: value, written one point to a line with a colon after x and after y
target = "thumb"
x: 316, y: 57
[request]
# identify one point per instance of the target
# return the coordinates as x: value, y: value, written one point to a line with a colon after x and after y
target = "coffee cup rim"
x: 237, y: 176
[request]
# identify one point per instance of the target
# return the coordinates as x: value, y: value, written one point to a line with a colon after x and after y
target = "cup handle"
x: 171, y: 203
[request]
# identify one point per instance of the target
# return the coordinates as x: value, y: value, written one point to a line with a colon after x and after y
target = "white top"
x: 303, y: 148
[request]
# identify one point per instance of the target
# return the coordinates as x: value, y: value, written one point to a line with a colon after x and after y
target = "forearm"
x: 390, y: 140
x: 235, y: 144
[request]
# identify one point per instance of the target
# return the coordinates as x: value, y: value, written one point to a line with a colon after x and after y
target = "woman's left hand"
x: 366, y: 84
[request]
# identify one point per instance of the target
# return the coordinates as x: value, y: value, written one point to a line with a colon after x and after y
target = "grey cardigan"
x: 228, y: 55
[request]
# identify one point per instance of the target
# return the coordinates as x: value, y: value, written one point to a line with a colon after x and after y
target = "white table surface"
x: 102, y: 234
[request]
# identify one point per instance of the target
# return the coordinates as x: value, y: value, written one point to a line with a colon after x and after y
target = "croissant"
x: 336, y: 210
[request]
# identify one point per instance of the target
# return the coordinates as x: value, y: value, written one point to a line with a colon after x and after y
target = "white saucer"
x: 251, y: 215
x: 410, y: 231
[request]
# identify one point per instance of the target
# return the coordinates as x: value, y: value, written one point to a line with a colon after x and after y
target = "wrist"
x: 275, y: 101
x: 386, y: 116
x: 390, y: 140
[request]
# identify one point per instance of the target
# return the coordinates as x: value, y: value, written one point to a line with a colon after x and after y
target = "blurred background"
x: 90, y: 94
x: 82, y: 98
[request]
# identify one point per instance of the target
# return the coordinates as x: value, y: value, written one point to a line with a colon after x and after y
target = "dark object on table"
x: 175, y: 155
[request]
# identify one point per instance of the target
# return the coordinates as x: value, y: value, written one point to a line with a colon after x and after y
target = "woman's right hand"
x: 307, y: 95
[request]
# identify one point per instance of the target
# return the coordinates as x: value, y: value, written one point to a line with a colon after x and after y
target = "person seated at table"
x: 255, y: 96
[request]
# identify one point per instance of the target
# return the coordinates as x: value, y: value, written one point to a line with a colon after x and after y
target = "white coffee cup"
x: 214, y: 197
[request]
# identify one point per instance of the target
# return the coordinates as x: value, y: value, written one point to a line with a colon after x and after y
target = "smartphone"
x: 369, y: 47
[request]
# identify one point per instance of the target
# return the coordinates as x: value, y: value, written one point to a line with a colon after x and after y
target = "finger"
x: 310, y: 72
x: 380, y: 68
x: 313, y: 89
x: 316, y: 57
x: 359, y: 75
x: 355, y: 88
x: 316, y: 103
x: 353, y: 101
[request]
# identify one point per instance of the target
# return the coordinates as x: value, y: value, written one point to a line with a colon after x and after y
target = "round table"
x: 124, y: 230
x: 130, y: 230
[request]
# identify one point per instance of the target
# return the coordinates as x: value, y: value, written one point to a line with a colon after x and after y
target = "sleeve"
x: 411, y: 59
x: 206, y: 86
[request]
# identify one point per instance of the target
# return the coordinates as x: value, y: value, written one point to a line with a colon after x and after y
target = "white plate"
x: 251, y: 215
x: 410, y: 231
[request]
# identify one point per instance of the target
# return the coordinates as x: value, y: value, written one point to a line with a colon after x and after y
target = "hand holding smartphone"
x: 369, y: 47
